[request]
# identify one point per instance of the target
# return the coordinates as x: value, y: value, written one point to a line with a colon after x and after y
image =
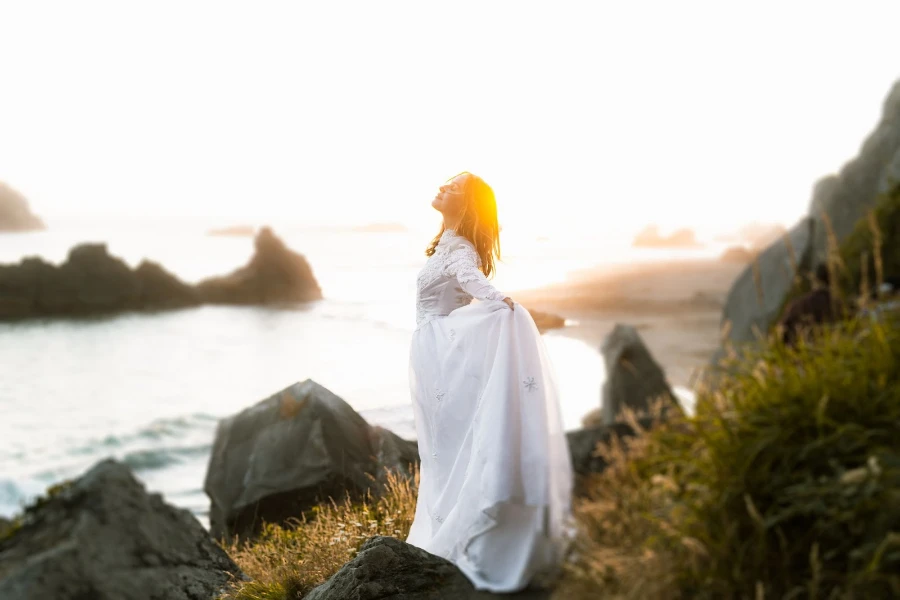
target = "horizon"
x: 577, y: 121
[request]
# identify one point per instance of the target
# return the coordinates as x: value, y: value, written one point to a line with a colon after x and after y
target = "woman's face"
x: 451, y: 196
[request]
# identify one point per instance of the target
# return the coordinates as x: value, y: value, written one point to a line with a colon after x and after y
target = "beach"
x: 675, y: 305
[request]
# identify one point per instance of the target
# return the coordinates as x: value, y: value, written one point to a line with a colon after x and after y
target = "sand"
x: 676, y: 306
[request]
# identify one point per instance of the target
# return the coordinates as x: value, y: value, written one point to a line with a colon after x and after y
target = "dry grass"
x: 287, y: 562
x: 617, y: 519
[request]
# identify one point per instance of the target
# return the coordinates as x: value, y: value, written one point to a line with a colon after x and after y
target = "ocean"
x: 148, y: 389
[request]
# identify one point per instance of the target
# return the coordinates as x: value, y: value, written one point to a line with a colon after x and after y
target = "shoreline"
x: 675, y: 305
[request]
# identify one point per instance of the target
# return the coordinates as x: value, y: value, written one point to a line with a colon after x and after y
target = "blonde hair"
x: 478, y: 222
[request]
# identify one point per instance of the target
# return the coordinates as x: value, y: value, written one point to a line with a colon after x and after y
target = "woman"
x: 496, y: 477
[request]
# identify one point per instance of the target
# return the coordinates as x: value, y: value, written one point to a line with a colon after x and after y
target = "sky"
x: 584, y: 116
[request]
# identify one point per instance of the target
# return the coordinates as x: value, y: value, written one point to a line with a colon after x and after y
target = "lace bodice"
x: 451, y: 278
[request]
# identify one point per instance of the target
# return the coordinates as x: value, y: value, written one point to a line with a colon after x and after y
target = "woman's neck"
x: 451, y: 224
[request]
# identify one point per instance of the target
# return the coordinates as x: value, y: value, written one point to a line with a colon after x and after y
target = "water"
x: 149, y: 389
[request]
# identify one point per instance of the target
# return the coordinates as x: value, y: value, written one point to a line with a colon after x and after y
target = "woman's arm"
x: 463, y: 263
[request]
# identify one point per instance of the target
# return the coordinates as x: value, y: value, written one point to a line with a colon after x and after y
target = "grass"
x: 287, y: 562
x: 786, y: 483
x: 859, y: 264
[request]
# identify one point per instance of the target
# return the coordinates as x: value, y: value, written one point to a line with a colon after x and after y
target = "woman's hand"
x: 509, y: 303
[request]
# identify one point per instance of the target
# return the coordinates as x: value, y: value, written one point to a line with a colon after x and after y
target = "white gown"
x: 496, y: 477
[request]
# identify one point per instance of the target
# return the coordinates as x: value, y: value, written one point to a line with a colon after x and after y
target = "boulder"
x: 280, y: 457
x: 15, y: 215
x: 848, y: 196
x: 583, y: 443
x: 386, y: 568
x: 275, y: 274
x: 104, y: 537
x: 634, y: 380
x: 756, y: 297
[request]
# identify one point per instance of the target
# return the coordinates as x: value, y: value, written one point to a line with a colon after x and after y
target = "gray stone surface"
x: 745, y: 311
x: 278, y: 458
x: 386, y: 568
x: 104, y: 538
x: 15, y: 214
x: 847, y: 197
x: 633, y: 378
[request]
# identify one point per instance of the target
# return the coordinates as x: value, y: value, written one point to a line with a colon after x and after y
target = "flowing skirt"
x: 496, y: 476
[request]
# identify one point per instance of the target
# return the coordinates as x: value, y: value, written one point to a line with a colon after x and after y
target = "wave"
x: 158, y: 458
x: 155, y: 431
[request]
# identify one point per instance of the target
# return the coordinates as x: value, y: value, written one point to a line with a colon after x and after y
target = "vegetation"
x: 866, y: 257
x: 287, y: 562
x: 785, y: 484
x: 872, y: 251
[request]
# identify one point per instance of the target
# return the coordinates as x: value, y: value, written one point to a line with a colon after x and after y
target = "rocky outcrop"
x: 840, y: 201
x: 846, y: 197
x: 89, y: 282
x: 650, y: 237
x: 92, y: 282
x: 15, y: 215
x: 583, y: 443
x: 634, y: 380
x: 103, y: 537
x: 280, y: 457
x: 275, y: 274
x: 386, y: 568
x: 757, y: 296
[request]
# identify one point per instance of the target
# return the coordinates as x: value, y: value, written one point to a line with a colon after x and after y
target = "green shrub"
x: 785, y: 484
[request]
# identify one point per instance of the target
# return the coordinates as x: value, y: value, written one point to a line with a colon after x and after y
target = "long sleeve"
x: 463, y: 263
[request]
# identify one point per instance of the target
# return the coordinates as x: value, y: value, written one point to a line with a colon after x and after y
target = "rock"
x: 275, y: 274
x: 386, y: 568
x: 651, y: 238
x: 103, y: 537
x: 847, y: 197
x: 162, y: 290
x: 90, y: 282
x: 392, y: 453
x: 737, y: 254
x: 583, y: 443
x: 890, y: 178
x: 15, y: 215
x: 634, y: 380
x: 280, y: 457
x: 755, y: 300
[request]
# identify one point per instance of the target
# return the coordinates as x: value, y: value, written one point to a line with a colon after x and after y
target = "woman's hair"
x: 478, y: 222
